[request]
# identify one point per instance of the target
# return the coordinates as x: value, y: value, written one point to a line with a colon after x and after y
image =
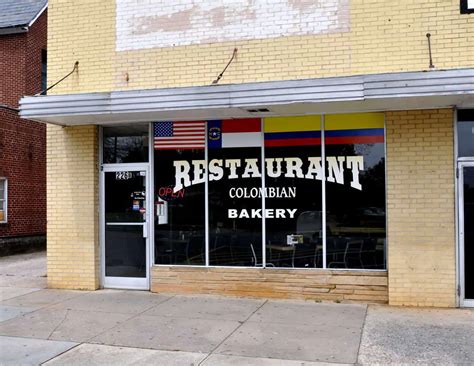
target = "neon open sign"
x: 168, y: 193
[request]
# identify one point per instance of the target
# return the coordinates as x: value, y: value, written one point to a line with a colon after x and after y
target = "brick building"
x: 23, y: 40
x: 331, y: 159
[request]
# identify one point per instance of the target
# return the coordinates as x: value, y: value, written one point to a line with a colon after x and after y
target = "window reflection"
x: 235, y: 202
x: 125, y: 144
x: 468, y: 207
x: 356, y: 212
x: 125, y: 204
x: 295, y: 238
x: 179, y: 215
x: 465, y: 132
x: 126, y: 199
x: 292, y: 196
x: 3, y: 199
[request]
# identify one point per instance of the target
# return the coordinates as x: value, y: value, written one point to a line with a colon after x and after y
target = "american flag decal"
x: 179, y: 135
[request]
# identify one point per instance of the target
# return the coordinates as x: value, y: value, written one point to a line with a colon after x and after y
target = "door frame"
x: 125, y: 282
x: 463, y: 302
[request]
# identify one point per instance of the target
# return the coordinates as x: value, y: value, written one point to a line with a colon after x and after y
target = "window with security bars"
x: 3, y: 200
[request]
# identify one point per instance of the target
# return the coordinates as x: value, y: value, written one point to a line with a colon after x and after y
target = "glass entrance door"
x: 466, y: 231
x: 125, y: 233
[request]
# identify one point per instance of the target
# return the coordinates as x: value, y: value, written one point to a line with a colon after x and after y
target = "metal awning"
x: 378, y: 92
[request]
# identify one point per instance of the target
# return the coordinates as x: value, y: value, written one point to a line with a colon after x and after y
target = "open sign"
x: 167, y: 193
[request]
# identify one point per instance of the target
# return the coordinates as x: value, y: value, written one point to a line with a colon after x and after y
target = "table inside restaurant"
x: 286, y: 254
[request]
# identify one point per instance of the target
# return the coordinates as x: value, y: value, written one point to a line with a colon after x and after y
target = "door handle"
x: 145, y: 230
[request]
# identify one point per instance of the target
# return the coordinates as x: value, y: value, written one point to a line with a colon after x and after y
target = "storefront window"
x: 293, y: 191
x: 125, y: 144
x: 235, y: 193
x: 243, y: 185
x: 355, y: 191
x: 179, y: 192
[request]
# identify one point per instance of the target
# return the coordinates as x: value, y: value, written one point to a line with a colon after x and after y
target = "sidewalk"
x: 112, y: 327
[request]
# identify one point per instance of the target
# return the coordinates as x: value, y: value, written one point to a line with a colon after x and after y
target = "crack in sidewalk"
x: 232, y: 333
x: 59, y: 324
x: 127, y: 319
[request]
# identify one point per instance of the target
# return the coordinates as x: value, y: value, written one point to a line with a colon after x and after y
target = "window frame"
x: 466, y: 7
x: 103, y: 137
x: 4, y: 200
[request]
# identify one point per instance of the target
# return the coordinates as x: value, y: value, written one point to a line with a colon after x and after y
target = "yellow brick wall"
x: 72, y: 207
x: 384, y: 36
x: 420, y: 208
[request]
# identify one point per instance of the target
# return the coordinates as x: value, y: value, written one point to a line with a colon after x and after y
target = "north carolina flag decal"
x: 234, y: 133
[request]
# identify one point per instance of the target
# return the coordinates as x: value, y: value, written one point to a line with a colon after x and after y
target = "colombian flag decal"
x: 292, y: 131
x: 340, y: 129
x: 358, y: 128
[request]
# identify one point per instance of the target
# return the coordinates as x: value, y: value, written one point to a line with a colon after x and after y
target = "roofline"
x: 38, y: 15
x: 22, y: 28
x: 14, y: 30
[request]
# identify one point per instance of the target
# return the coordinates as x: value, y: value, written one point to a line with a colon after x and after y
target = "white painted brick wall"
x: 162, y: 23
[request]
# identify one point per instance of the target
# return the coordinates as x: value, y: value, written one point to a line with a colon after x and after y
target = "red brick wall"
x: 23, y: 142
